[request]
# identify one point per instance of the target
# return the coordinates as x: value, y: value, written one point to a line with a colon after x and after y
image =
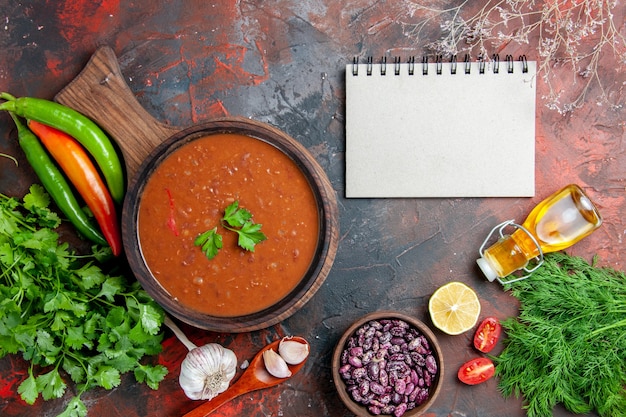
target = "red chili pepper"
x: 171, y: 221
x: 82, y: 173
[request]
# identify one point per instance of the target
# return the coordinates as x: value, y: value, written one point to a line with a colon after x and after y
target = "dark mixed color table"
x: 283, y: 62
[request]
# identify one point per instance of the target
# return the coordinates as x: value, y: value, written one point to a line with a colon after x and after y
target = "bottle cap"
x: 487, y: 269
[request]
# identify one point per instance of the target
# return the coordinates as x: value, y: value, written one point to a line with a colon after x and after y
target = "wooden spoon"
x: 254, y: 378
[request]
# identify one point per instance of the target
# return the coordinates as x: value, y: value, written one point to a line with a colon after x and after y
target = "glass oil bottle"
x: 556, y: 223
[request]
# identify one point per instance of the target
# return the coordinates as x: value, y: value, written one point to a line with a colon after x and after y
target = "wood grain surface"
x: 100, y: 92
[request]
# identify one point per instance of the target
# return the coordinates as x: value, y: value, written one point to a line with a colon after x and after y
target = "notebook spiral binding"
x: 439, y: 65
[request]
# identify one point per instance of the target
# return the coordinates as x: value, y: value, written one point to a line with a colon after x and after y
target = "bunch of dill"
x: 568, y: 344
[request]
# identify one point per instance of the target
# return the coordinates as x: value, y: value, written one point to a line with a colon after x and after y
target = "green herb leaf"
x: 151, y: 375
x: 108, y: 377
x: 62, y: 311
x: 75, y: 408
x: 235, y: 219
x: 211, y: 242
x: 28, y: 390
x: 37, y: 201
x: 150, y: 319
x: 250, y: 235
x: 235, y: 216
x: 111, y: 287
x: 51, y: 385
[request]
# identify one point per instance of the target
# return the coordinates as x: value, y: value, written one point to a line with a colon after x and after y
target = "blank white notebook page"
x: 440, y: 134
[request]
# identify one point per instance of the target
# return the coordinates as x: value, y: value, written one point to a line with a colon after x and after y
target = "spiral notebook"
x: 440, y: 129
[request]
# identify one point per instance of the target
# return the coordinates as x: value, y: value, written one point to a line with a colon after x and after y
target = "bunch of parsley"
x: 568, y: 344
x: 62, y: 312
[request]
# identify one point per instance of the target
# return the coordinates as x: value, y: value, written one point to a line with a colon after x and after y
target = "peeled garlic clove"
x: 275, y: 364
x: 207, y: 371
x: 293, y: 350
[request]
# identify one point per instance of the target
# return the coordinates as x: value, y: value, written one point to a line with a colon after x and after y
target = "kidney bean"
x: 397, y: 340
x: 376, y: 403
x: 374, y: 410
x: 358, y: 373
x: 414, y: 344
x: 385, y: 338
x: 399, y: 367
x: 396, y: 398
x: 424, y: 347
x: 376, y: 324
x: 400, y: 410
x: 373, y: 370
x: 393, y: 378
x: 427, y: 379
x: 367, y: 357
x: 431, y: 364
x: 414, y: 377
x: 403, y: 324
x: 356, y: 395
x: 355, y: 361
x: 367, y: 343
x: 400, y: 386
x: 345, y: 368
x: 408, y: 361
x: 364, y: 387
x: 356, y: 351
x: 375, y: 345
x: 418, y: 359
x: 383, y: 377
x: 385, y: 398
x: 376, y: 388
x: 422, y: 396
x: 388, y: 366
x: 397, y: 331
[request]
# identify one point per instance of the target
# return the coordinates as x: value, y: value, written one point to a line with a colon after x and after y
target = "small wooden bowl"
x: 359, y: 409
x: 328, y: 227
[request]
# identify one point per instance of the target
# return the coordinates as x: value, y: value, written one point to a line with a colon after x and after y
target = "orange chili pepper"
x: 82, y: 173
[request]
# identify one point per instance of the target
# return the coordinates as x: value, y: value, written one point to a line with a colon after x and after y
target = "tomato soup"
x: 186, y: 195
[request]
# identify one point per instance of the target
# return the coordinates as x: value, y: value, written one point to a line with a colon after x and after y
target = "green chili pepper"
x: 80, y: 127
x: 54, y: 182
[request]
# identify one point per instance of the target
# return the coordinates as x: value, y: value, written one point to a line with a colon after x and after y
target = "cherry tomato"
x: 487, y: 334
x: 476, y: 371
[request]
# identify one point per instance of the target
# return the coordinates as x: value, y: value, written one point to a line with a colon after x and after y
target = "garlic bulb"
x: 293, y: 350
x: 275, y: 364
x: 207, y: 370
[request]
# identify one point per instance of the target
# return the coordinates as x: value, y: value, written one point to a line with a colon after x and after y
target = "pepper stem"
x: 179, y: 333
x: 7, y: 96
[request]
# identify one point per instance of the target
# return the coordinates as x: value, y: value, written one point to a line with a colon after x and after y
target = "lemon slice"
x: 454, y: 308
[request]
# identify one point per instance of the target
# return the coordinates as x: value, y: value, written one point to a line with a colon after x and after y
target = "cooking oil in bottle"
x: 556, y: 223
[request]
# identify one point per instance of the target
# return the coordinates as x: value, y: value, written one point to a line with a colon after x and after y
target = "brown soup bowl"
x: 403, y: 350
x: 323, y: 250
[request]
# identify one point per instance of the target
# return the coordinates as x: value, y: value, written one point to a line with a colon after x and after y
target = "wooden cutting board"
x: 100, y: 92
